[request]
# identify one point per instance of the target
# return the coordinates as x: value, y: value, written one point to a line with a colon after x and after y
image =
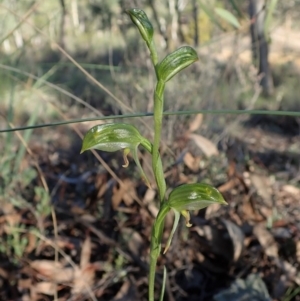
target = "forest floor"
x: 94, y: 245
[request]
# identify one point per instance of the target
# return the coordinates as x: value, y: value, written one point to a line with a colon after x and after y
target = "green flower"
x: 191, y: 197
x: 175, y: 62
x: 140, y: 19
x: 112, y: 137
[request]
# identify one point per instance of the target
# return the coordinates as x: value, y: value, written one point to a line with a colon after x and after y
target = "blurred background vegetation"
x: 99, y: 36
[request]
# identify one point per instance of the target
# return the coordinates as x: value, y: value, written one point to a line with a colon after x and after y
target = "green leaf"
x: 112, y: 137
x: 140, y: 19
x: 175, y: 62
x: 227, y: 16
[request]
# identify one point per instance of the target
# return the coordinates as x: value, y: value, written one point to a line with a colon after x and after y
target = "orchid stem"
x: 156, y: 159
x: 155, y: 246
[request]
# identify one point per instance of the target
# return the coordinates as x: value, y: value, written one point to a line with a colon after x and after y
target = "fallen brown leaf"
x: 129, y: 192
x: 13, y: 219
x: 183, y: 178
x: 191, y: 162
x: 54, y: 271
x: 232, y: 183
x: 84, y: 276
x: 83, y: 280
x: 148, y: 201
x: 125, y: 193
x: 47, y: 288
x: 117, y: 197
x: 46, y: 267
x: 196, y: 123
x: 86, y: 251
x: 291, y: 190
x: 32, y: 241
x: 237, y: 238
x: 101, y: 185
x: 263, y: 187
x: 249, y: 213
x: 208, y: 147
x: 266, y: 240
x: 7, y: 207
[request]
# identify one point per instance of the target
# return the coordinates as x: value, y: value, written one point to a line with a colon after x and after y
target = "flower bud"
x: 175, y: 62
x: 140, y: 19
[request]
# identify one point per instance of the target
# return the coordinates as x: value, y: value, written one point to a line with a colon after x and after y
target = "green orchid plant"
x: 120, y: 136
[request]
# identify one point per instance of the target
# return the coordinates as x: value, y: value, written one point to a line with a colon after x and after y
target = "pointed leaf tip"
x: 175, y: 62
